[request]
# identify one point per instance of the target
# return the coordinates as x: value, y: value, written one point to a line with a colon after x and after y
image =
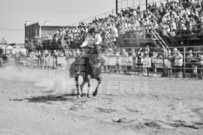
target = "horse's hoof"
x: 89, y: 96
x: 82, y: 95
x: 95, y: 93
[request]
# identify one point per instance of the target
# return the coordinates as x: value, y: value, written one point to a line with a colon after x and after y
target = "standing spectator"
x: 38, y: 55
x: 189, y: 61
x: 55, y: 57
x: 146, y: 68
x: 110, y: 53
x: 124, y: 54
x: 154, y: 57
x: 195, y: 64
x: 140, y: 57
x: 46, y: 53
x: 43, y: 58
x: 117, y: 61
x: 167, y: 63
x: 201, y: 64
x: 178, y: 63
x: 49, y: 59
x: 134, y: 59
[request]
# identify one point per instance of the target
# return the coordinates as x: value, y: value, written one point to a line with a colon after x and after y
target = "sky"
x: 14, y: 13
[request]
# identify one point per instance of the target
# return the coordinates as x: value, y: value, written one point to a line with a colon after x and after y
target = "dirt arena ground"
x: 43, y: 102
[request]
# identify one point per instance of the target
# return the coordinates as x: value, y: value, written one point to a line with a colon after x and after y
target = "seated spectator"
x: 110, y: 52
x: 124, y: 53
x: 147, y: 49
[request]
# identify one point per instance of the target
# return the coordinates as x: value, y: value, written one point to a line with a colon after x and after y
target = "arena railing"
x: 185, y: 68
x: 163, y: 64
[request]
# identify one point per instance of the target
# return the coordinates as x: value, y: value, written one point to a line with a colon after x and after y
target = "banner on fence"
x: 61, y: 61
x: 50, y: 62
x: 131, y: 62
x: 112, y: 61
x: 159, y: 63
x: 124, y: 61
x: 109, y: 61
x: 147, y: 62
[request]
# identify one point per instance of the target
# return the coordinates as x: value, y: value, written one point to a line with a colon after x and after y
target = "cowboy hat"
x: 110, y: 49
x: 190, y: 51
x: 91, y: 30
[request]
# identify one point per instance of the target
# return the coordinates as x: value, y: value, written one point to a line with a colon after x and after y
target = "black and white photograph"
x: 101, y: 67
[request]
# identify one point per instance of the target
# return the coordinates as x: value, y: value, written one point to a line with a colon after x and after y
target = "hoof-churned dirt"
x: 44, y: 102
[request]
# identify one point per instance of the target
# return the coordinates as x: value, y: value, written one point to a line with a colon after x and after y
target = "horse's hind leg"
x: 97, y: 88
x: 89, y: 86
x: 77, y: 86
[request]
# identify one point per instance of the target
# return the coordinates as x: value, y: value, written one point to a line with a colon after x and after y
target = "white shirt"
x: 98, y: 39
x: 178, y: 60
x: 115, y: 31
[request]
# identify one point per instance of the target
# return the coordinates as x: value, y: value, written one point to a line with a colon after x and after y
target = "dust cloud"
x: 51, y: 80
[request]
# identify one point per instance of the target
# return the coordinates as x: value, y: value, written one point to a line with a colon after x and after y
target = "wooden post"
x: 116, y: 6
x: 184, y: 56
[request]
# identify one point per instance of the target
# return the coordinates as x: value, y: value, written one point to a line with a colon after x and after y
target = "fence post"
x: 184, y: 56
x: 164, y: 68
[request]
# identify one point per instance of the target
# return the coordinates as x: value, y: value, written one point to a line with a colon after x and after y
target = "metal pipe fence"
x: 155, y: 62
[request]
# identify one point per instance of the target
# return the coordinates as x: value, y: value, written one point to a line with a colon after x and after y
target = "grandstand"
x: 163, y: 33
x: 162, y: 24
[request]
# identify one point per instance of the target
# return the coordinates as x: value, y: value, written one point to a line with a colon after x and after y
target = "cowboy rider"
x: 92, y: 45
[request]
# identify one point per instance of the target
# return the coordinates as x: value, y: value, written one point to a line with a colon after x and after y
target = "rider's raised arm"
x: 87, y: 39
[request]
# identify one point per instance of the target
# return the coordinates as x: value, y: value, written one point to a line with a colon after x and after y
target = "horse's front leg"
x: 97, y: 88
x: 77, y: 86
x: 82, y: 85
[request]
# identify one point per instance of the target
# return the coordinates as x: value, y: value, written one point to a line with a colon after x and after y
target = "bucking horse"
x: 88, y: 65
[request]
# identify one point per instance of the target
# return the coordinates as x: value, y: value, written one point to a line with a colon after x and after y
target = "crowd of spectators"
x: 40, y: 59
x: 175, y: 17
x: 169, y: 62
x: 169, y: 18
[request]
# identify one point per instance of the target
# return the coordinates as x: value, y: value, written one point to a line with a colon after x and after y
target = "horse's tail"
x: 76, y: 67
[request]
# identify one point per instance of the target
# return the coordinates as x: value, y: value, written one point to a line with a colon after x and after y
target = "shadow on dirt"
x: 49, y: 98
